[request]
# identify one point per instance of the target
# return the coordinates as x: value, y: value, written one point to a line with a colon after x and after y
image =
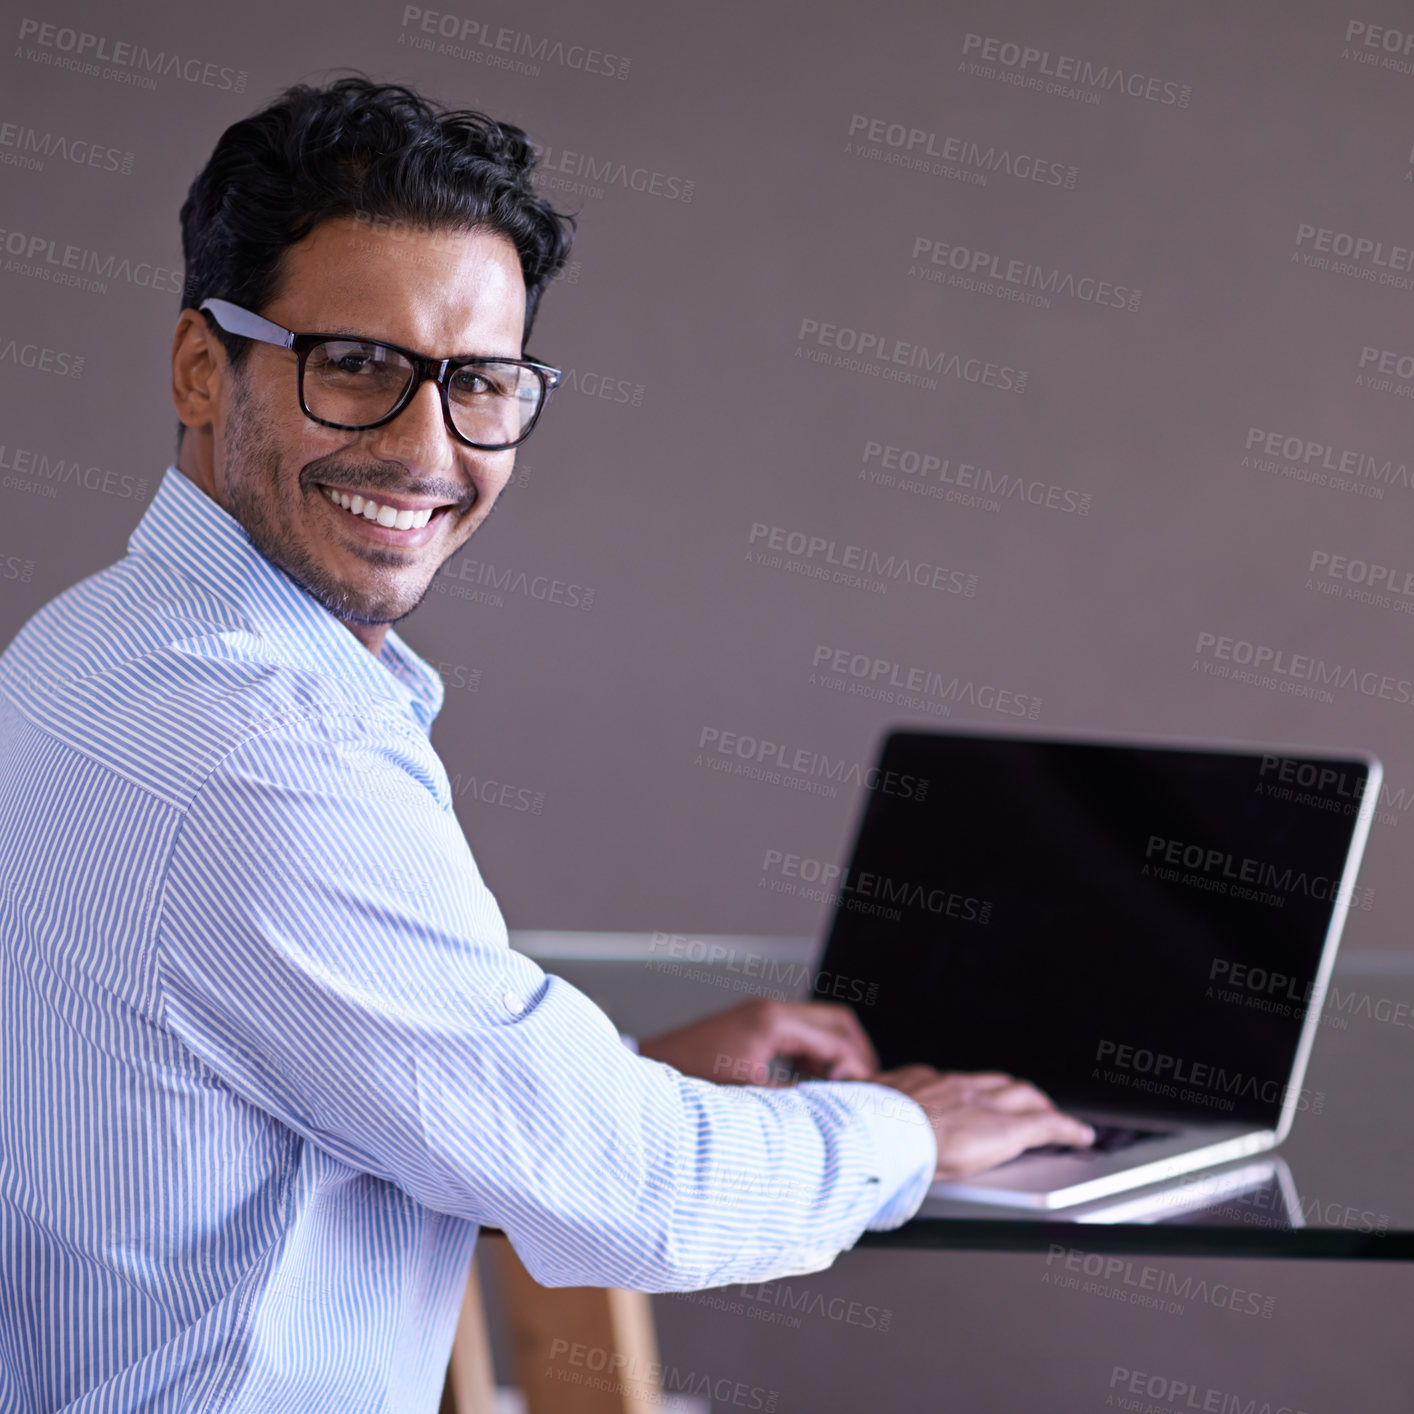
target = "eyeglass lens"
x: 356, y: 382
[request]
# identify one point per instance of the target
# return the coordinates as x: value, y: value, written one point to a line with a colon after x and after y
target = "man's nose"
x: 418, y: 436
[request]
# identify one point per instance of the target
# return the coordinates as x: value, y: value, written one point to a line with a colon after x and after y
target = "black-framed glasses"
x: 355, y: 384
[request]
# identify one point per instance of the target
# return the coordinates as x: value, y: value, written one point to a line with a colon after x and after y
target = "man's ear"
x: 199, y: 370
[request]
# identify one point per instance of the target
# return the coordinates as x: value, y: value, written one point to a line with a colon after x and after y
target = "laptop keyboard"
x: 1109, y: 1139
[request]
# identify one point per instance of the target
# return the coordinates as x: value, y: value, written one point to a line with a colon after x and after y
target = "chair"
x: 575, y: 1349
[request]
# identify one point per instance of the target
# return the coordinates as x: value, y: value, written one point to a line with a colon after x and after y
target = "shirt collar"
x: 186, y: 528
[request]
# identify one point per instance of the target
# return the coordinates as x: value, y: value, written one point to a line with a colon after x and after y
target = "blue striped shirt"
x: 266, y: 1058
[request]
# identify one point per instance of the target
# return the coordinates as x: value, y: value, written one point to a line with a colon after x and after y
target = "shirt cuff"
x: 630, y: 1041
x: 905, y: 1149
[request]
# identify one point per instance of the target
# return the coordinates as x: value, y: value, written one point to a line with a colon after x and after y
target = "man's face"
x: 441, y: 293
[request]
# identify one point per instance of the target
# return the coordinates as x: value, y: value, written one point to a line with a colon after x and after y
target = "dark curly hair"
x: 358, y: 148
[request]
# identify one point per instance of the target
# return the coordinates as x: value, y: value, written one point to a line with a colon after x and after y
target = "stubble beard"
x: 266, y: 501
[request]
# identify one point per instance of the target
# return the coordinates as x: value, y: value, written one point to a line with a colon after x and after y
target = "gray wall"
x: 1094, y: 523
x: 1219, y: 205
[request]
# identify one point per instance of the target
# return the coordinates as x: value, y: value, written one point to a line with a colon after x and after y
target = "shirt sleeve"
x: 327, y: 946
x: 905, y: 1150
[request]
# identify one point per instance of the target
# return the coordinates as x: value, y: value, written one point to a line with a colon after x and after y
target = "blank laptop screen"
x: 1130, y: 928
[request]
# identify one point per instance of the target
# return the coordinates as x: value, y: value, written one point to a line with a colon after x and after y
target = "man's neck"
x: 370, y: 635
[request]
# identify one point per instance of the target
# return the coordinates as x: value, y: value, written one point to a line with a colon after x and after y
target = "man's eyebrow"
x: 361, y: 336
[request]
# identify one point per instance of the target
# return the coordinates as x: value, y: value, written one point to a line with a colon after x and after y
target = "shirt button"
x: 514, y: 1004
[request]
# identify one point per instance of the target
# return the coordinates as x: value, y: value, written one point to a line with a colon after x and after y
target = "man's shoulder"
x: 160, y: 678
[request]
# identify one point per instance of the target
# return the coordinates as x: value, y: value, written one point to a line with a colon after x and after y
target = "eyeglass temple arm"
x: 235, y: 320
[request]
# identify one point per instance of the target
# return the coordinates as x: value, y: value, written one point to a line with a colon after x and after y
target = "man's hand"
x: 985, y: 1118
x: 980, y: 1119
x: 754, y: 1044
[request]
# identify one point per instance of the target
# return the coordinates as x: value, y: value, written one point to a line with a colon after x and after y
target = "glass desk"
x: 1340, y: 1186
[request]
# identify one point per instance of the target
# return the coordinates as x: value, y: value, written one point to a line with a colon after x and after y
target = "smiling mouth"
x: 389, y: 517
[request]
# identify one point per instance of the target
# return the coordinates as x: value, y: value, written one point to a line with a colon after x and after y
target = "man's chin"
x: 361, y: 609
x: 352, y: 593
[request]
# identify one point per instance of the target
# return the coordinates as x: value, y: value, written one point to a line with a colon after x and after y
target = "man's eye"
x: 473, y: 380
x: 352, y: 362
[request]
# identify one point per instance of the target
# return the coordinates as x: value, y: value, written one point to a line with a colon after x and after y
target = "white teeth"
x: 384, y: 515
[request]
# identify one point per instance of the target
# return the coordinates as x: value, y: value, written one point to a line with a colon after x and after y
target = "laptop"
x: 1143, y: 929
x: 1258, y: 1191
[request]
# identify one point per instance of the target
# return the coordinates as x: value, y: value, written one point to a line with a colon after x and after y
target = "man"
x: 266, y: 1059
